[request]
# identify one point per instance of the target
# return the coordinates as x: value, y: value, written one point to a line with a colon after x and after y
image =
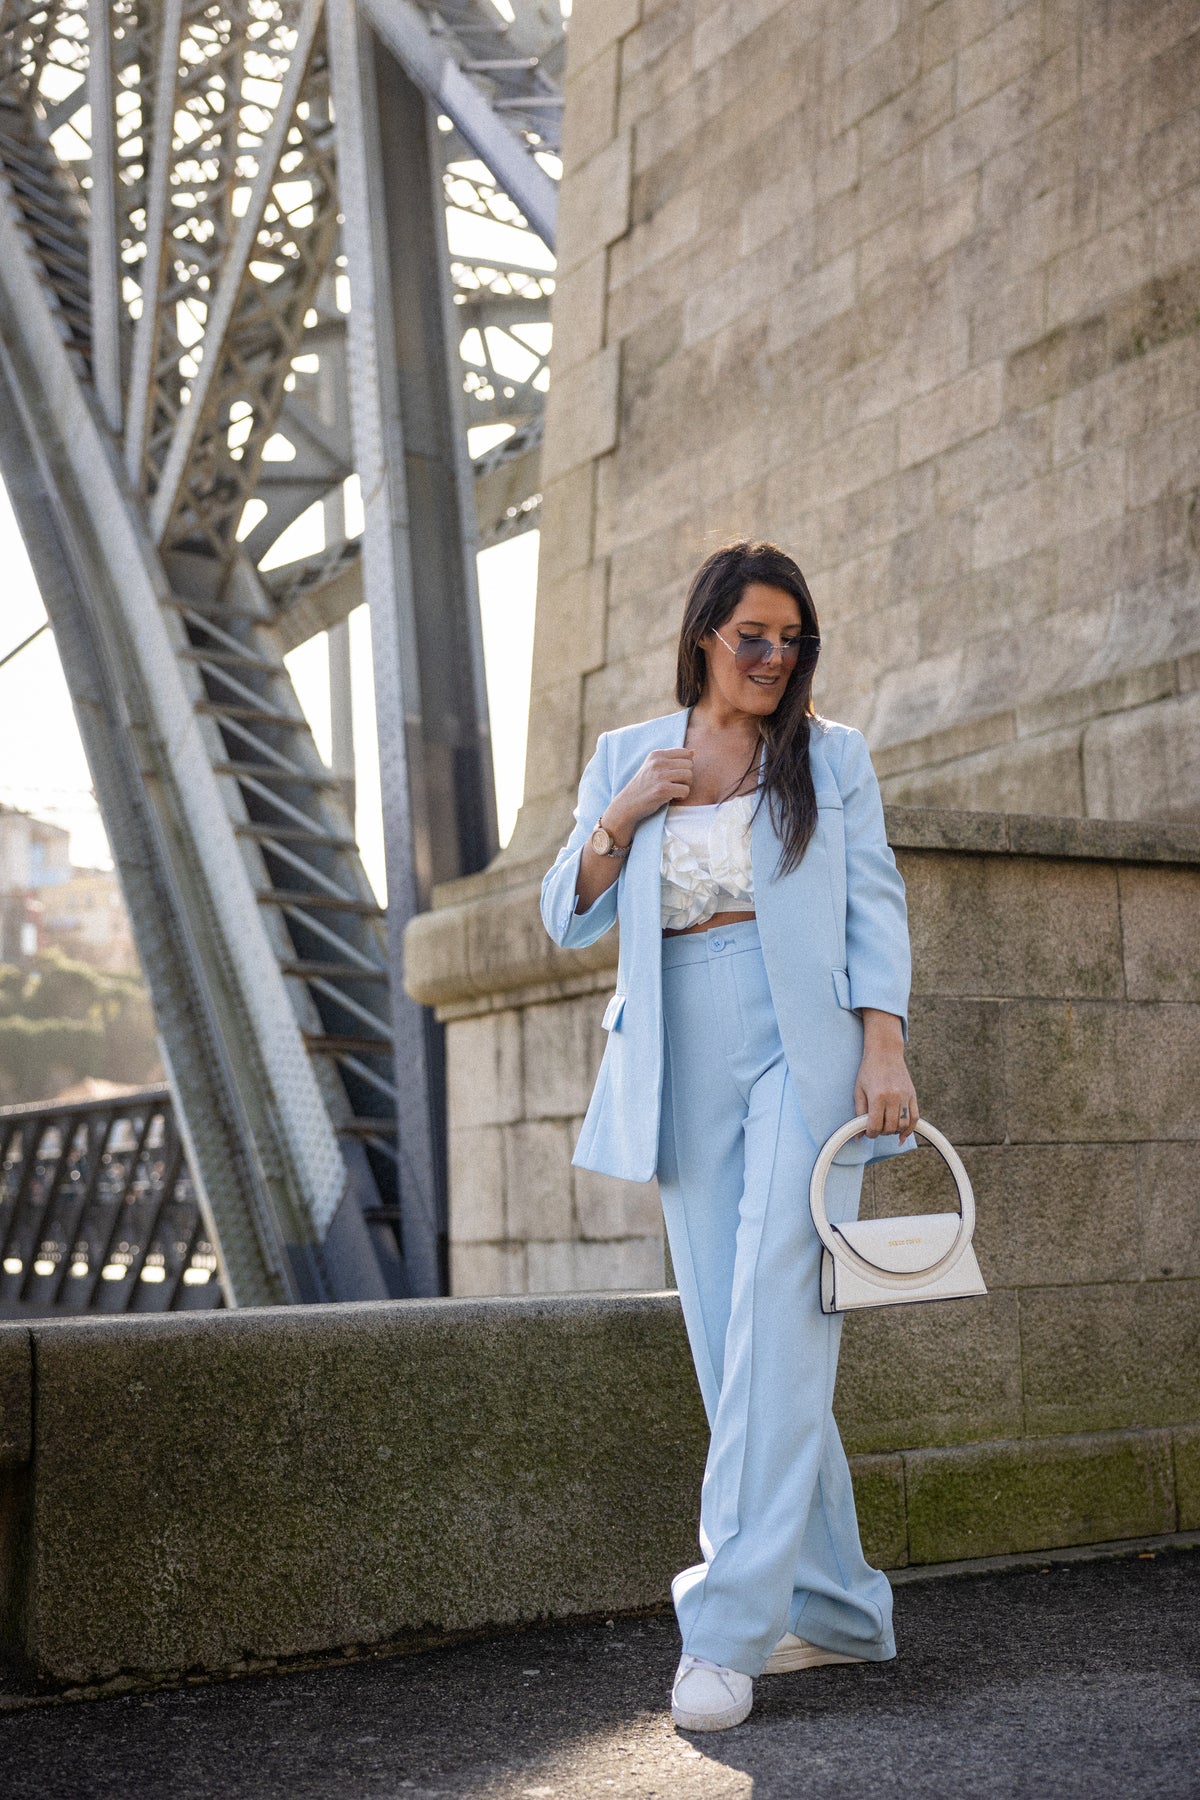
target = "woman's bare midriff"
x: 714, y: 919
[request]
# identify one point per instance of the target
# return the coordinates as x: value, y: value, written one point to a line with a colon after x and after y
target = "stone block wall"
x: 522, y: 1220
x: 1055, y: 1037
x: 914, y: 289
x: 912, y: 286
x: 1056, y: 1040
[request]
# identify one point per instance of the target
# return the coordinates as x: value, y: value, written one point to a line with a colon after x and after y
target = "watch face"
x: 601, y: 842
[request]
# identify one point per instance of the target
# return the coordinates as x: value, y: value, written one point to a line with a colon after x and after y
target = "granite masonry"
x: 915, y: 290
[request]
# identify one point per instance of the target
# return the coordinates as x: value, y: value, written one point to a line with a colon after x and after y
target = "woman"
x: 761, y: 1000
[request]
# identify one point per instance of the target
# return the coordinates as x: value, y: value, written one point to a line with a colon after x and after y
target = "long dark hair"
x: 715, y: 590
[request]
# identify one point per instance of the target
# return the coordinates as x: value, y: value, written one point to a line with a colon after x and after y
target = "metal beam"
x: 418, y: 560
x: 102, y: 205
x: 158, y: 189
x: 405, y: 31
x: 233, y: 269
x: 375, y: 413
x: 504, y: 495
x: 483, y: 308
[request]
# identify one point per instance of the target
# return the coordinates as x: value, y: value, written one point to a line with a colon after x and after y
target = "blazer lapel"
x: 796, y: 922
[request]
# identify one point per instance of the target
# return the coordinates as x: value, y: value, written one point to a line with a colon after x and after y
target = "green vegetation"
x: 61, y: 1020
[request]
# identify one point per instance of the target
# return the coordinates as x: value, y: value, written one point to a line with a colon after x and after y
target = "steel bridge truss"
x: 236, y: 291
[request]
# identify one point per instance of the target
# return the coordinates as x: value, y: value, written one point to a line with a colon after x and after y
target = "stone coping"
x: 483, y: 943
x: 939, y: 828
x: 1043, y: 834
x: 482, y: 1311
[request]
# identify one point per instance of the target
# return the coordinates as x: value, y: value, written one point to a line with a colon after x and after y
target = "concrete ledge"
x: 16, y: 1397
x: 206, y: 1492
x: 271, y: 1482
x: 16, y: 1450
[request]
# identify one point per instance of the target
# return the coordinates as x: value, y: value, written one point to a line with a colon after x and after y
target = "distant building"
x: 20, y: 919
x: 45, y: 902
x: 85, y: 917
x: 34, y: 856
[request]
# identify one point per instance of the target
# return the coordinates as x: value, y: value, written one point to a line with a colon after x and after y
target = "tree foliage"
x: 62, y: 1020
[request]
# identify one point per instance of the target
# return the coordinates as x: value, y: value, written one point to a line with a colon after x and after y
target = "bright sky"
x: 43, y: 768
x: 42, y: 765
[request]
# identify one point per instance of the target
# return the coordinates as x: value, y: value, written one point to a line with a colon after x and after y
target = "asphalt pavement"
x: 1077, y: 1678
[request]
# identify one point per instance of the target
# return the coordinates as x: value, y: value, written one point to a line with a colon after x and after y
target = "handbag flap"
x: 901, y: 1246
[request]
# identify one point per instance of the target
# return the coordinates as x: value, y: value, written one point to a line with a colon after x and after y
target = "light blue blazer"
x: 834, y: 935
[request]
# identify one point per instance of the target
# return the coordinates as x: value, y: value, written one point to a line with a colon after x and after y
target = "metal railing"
x: 98, y: 1213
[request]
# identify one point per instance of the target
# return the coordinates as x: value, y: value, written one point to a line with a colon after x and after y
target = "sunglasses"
x: 749, y: 652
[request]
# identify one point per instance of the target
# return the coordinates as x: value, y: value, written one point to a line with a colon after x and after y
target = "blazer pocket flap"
x: 841, y: 987
x: 612, y: 1012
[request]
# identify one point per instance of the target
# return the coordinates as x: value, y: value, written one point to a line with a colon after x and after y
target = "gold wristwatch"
x: 605, y: 844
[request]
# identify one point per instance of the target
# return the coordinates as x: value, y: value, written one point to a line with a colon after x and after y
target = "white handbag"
x: 884, y: 1262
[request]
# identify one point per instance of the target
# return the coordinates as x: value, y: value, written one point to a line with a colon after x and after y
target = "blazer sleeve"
x: 878, y: 954
x: 570, y: 929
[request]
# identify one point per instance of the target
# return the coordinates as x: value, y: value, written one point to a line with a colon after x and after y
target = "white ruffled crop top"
x: 706, y: 861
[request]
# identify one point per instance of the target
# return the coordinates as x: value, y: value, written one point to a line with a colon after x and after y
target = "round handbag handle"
x: 838, y: 1246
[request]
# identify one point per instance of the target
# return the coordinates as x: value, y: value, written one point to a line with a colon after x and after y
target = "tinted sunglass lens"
x: 754, y: 650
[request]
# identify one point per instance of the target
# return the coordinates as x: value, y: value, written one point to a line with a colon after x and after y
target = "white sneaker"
x: 793, y: 1652
x: 706, y: 1696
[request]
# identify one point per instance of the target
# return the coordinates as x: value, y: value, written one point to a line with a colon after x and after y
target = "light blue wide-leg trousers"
x: 778, y: 1530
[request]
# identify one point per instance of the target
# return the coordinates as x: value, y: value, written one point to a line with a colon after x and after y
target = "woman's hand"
x: 665, y: 775
x: 883, y: 1086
